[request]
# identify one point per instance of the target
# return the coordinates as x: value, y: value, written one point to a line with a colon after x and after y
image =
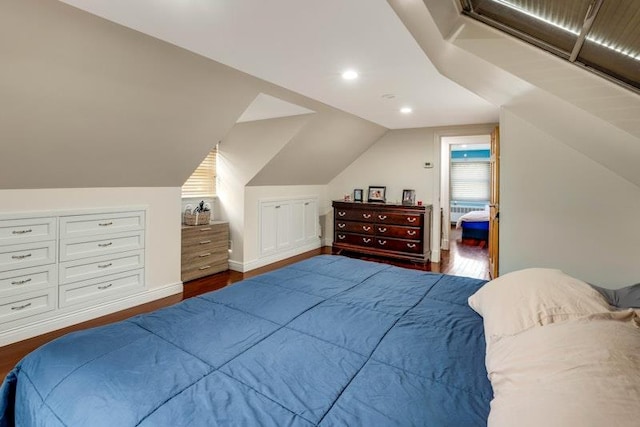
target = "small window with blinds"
x: 470, y: 181
x: 202, y: 183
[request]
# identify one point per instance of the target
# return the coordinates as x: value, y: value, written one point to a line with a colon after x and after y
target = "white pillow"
x: 532, y: 297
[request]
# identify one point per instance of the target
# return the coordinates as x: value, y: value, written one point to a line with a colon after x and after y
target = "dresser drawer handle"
x: 21, y: 282
x: 205, y: 267
x: 366, y: 240
x: 366, y: 216
x: 382, y: 217
x: 21, y: 256
x: 411, y: 219
x: 206, y: 229
x: 105, y: 224
x: 105, y: 265
x: 366, y: 227
x: 102, y: 288
x: 341, y: 236
x: 104, y: 245
x: 411, y: 232
x: 22, y: 231
x: 20, y: 307
x: 382, y: 242
x: 205, y: 255
x: 340, y: 213
x: 341, y: 225
x: 411, y: 245
x: 204, y: 242
x: 382, y: 229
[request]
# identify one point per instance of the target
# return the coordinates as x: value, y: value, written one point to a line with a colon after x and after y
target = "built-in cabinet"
x: 287, y: 224
x: 54, y: 264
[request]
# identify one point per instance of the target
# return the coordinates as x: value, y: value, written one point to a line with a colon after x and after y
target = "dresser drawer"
x: 355, y: 239
x: 409, y: 219
x: 196, y: 236
x: 204, y: 268
x: 27, y: 255
x: 355, y: 227
x: 107, y: 223
x: 398, y: 245
x: 354, y: 215
x: 84, y: 247
x: 398, y: 231
x: 16, y: 231
x: 27, y: 304
x: 27, y: 279
x: 90, y: 292
x: 82, y: 269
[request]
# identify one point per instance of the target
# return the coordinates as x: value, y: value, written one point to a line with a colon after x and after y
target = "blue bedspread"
x: 329, y: 341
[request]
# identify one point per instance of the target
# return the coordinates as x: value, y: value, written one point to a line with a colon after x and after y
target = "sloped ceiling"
x: 88, y: 103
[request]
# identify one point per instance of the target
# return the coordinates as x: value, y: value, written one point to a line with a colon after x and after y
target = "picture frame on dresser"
x: 408, y: 197
x: 377, y: 194
x: 358, y: 194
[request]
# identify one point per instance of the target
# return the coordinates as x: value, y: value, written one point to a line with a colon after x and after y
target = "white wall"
x: 563, y: 210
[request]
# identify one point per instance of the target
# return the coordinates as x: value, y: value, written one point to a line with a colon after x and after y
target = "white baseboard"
x: 435, y: 256
x: 327, y: 241
x: 270, y: 259
x: 71, y: 318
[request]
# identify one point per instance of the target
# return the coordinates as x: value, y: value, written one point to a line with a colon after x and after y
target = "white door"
x: 310, y: 220
x: 268, y: 228
x: 298, y: 211
x: 283, y: 227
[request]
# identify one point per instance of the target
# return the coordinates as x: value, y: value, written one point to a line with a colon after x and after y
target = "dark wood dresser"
x: 204, y: 249
x: 394, y: 231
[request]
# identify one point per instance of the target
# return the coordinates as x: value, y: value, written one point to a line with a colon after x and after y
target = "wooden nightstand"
x: 204, y: 249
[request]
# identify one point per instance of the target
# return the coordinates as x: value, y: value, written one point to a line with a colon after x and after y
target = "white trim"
x: 64, y: 320
x: 261, y: 262
x: 68, y: 212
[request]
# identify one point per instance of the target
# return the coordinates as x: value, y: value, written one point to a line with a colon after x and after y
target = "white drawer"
x: 90, y: 225
x: 93, y: 291
x: 82, y: 269
x: 27, y: 255
x: 27, y: 279
x: 84, y: 247
x: 16, y: 231
x: 27, y: 304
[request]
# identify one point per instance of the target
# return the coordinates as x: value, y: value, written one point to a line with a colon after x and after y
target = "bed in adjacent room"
x: 475, y: 225
x: 327, y: 341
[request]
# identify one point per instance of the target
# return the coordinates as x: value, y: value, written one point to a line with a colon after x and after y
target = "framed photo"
x: 408, y: 197
x: 377, y: 194
x: 357, y: 195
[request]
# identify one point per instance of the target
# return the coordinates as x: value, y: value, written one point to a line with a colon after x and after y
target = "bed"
x: 475, y: 225
x: 324, y: 342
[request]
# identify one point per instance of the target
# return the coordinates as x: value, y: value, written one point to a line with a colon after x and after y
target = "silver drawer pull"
x: 365, y: 240
x: 205, y: 267
x: 341, y: 225
x: 105, y: 265
x: 20, y: 307
x: 21, y: 256
x: 341, y: 236
x: 411, y: 232
x: 102, y: 288
x: 382, y: 242
x: 205, y: 255
x: 382, y: 229
x: 105, y: 224
x: 382, y: 217
x: 411, y: 218
x: 21, y: 282
x: 340, y: 213
x: 306, y: 203
x: 206, y: 229
x: 366, y: 216
x: 411, y: 245
x: 278, y: 207
x: 21, y: 231
x: 104, y: 245
x: 204, y: 242
x: 366, y: 227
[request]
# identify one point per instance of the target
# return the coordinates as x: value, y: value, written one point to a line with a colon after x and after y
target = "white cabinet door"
x: 275, y: 223
x: 283, y: 232
x: 298, y: 211
x: 310, y: 220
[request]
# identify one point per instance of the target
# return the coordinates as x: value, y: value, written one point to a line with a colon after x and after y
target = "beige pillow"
x: 532, y: 297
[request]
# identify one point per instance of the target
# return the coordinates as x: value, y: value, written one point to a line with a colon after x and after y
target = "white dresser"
x: 54, y: 264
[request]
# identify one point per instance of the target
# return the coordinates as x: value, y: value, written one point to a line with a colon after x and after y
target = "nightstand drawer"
x: 17, y: 231
x: 83, y: 269
x: 27, y: 255
x: 27, y: 279
x: 91, y: 292
x: 90, y: 225
x: 27, y: 304
x: 84, y: 247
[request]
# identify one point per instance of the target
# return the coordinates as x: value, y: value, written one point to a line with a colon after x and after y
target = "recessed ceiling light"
x: 406, y: 110
x: 350, y: 75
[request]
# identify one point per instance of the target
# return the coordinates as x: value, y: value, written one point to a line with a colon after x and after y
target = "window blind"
x: 470, y: 181
x: 202, y: 183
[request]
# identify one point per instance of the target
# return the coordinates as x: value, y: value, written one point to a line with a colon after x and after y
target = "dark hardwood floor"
x: 461, y: 260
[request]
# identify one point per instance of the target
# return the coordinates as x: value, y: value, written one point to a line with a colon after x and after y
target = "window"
x: 470, y: 181
x: 202, y: 183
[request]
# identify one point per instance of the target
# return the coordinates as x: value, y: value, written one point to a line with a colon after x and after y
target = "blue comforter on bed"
x: 329, y: 341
